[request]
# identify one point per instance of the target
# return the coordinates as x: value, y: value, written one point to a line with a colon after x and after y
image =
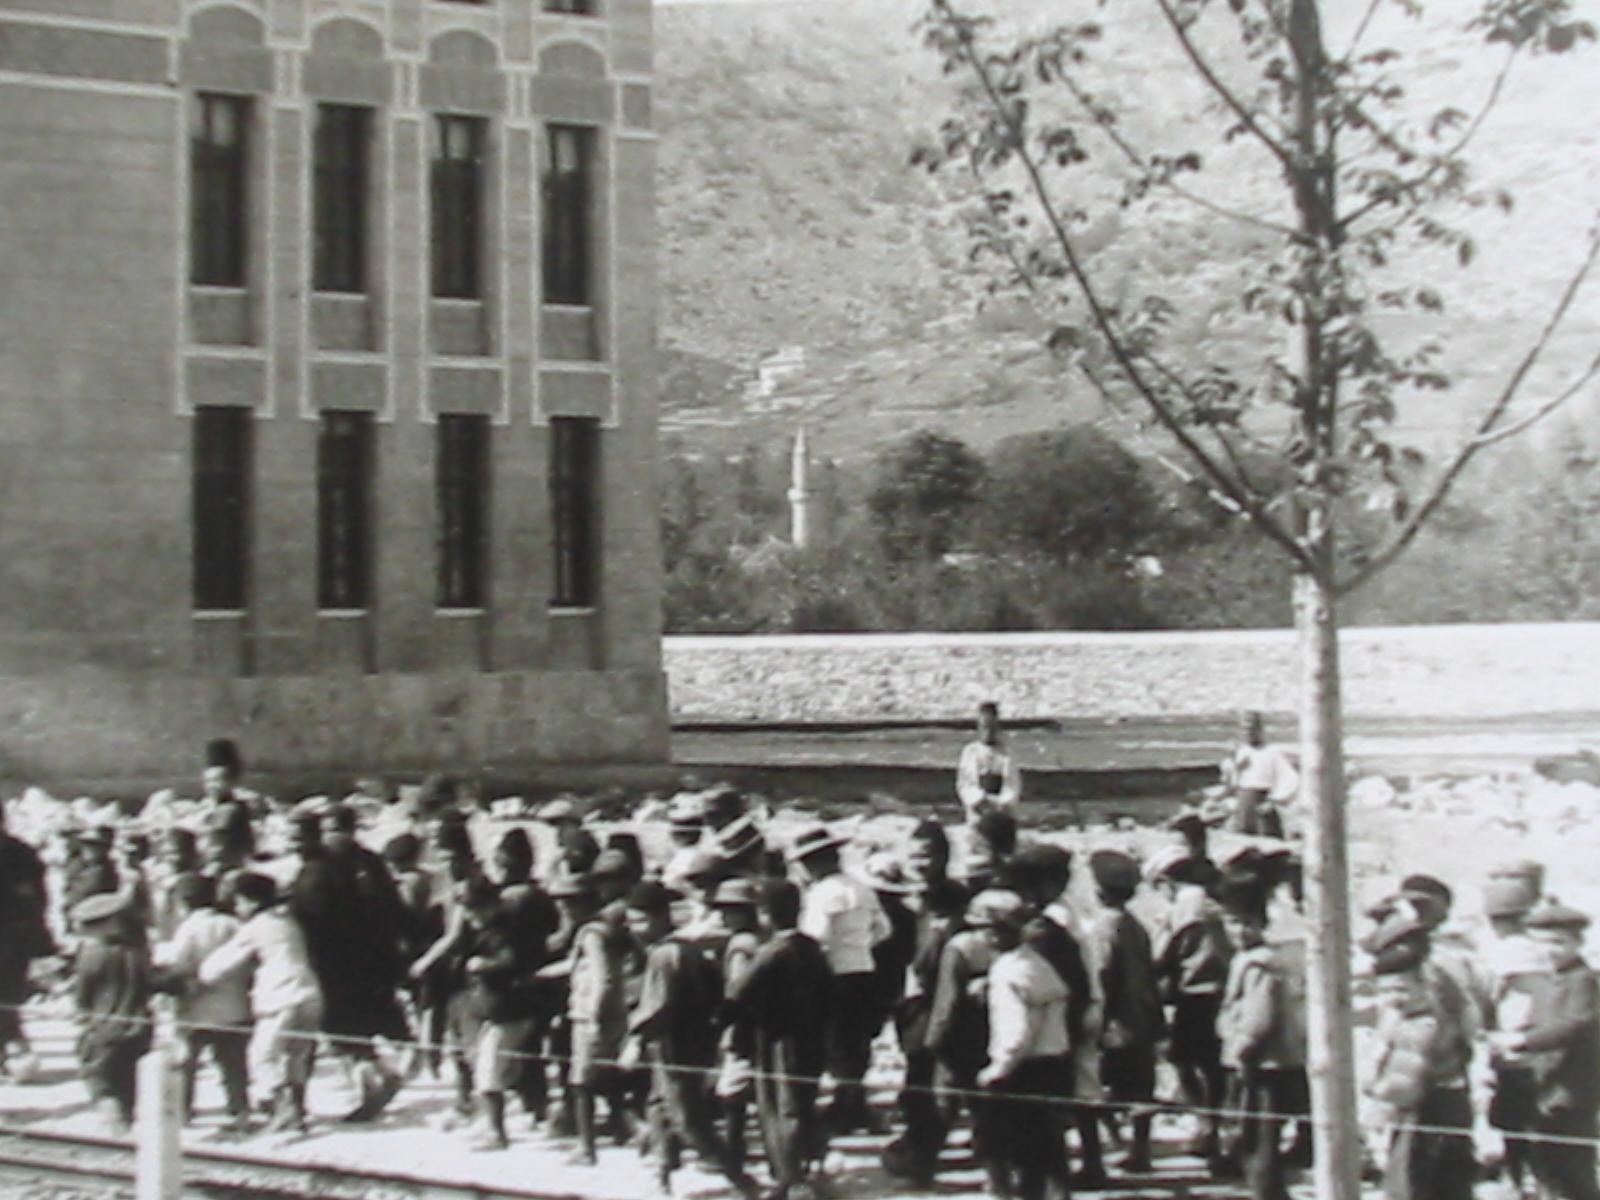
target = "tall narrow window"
x: 568, y: 214
x: 462, y: 480
x: 458, y: 150
x: 219, y: 163
x: 343, y: 148
x: 344, y: 502
x: 574, y: 510
x: 221, y: 472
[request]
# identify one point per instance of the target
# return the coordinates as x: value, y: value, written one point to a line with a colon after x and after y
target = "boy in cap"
x: 1132, y: 1021
x: 597, y: 1014
x: 1420, y: 1070
x: 111, y: 991
x: 1262, y: 1029
x: 670, y: 1023
x: 1562, y: 1043
x: 844, y: 917
x: 1261, y: 777
x: 1029, y: 1058
x: 285, y: 998
x: 781, y: 999
x: 214, y: 1017
x: 1518, y: 972
x: 735, y: 902
x: 1192, y: 956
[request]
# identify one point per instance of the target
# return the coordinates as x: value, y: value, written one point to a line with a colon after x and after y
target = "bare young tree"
x: 1291, y: 420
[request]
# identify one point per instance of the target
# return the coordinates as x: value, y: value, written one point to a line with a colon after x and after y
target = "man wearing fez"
x: 987, y: 777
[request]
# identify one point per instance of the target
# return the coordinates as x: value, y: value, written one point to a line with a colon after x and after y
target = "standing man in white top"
x: 1261, y: 777
x: 843, y: 916
x: 987, y: 777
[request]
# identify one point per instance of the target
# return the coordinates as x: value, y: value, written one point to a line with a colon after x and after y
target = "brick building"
x: 326, y: 389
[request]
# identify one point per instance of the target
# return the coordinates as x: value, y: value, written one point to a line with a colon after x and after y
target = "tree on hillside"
x: 1068, y: 494
x: 1368, y: 200
x: 923, y: 489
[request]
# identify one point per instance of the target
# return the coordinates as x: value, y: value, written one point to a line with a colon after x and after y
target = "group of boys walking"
x: 737, y: 988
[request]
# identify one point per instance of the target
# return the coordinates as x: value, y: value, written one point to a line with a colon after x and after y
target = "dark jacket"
x: 1563, y: 1039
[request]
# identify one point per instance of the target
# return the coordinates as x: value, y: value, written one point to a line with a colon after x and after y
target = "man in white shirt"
x: 843, y: 916
x: 1261, y: 778
x: 987, y: 777
x: 284, y: 995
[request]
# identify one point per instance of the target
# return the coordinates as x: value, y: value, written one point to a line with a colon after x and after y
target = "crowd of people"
x: 724, y: 980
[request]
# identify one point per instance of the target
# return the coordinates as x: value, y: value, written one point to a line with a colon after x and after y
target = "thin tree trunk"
x: 1331, y: 1060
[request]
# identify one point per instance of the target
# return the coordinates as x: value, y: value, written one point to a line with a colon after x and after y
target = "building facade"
x: 326, y: 384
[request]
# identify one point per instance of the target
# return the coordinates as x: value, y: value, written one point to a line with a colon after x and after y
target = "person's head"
x: 179, y: 849
x: 579, y: 849
x: 94, y: 844
x: 988, y: 722
x: 1558, y: 931
x: 649, y: 912
x: 1116, y: 877
x: 479, y: 899
x: 736, y: 902
x: 193, y: 892
x: 513, y: 856
x: 1039, y: 873
x: 1191, y: 827
x: 223, y: 767
x: 780, y: 904
x: 450, y: 835
x: 253, y: 893
x: 998, y: 829
x: 627, y: 845
x: 403, y: 852
x: 577, y: 898
x: 1507, y: 901
x: 1429, y: 896
x: 614, y: 875
x: 928, y: 853
x: 1252, y: 729
x: 816, y: 851
x: 999, y: 915
x: 1242, y: 896
x: 722, y: 806
x: 305, y: 834
x: 339, y: 828
x: 437, y: 794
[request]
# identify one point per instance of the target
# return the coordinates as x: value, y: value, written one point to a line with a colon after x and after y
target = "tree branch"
x: 1102, y: 319
x: 1225, y: 93
x: 1361, y: 31
x: 1138, y: 160
x: 1543, y: 410
x: 1488, y: 427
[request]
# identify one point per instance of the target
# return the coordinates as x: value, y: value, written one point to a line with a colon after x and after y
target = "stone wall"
x: 67, y: 729
x: 1446, y: 670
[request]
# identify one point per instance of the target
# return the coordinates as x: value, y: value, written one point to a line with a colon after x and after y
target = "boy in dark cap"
x: 1132, y: 1021
x: 670, y: 1023
x: 1420, y: 1072
x: 782, y: 1000
x: 111, y: 989
x: 735, y: 902
x: 1262, y: 1028
x: 1562, y: 1044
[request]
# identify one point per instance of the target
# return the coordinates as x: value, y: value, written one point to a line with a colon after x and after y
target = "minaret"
x: 802, y: 512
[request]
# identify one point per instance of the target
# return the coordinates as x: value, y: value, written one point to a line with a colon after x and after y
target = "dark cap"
x: 1116, y: 873
x: 572, y: 887
x: 224, y: 752
x: 650, y: 897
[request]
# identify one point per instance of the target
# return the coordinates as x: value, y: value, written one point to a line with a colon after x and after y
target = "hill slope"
x: 791, y: 219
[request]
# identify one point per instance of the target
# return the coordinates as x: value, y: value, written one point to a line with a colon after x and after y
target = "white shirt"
x: 223, y: 1002
x: 270, y: 941
x: 979, y: 759
x: 1262, y: 768
x: 1027, y: 1010
x: 844, y: 917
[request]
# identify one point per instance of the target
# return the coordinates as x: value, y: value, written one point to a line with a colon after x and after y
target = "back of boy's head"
x: 930, y: 831
x: 945, y: 898
x: 999, y: 830
x: 403, y: 850
x: 195, y: 891
x: 780, y: 900
x: 258, y: 889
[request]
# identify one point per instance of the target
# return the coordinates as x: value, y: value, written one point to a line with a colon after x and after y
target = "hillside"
x: 791, y: 220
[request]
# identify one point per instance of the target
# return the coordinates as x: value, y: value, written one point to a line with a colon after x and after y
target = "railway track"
x: 101, y: 1163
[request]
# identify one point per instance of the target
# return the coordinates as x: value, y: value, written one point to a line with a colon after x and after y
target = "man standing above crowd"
x: 1261, y: 777
x: 987, y: 777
